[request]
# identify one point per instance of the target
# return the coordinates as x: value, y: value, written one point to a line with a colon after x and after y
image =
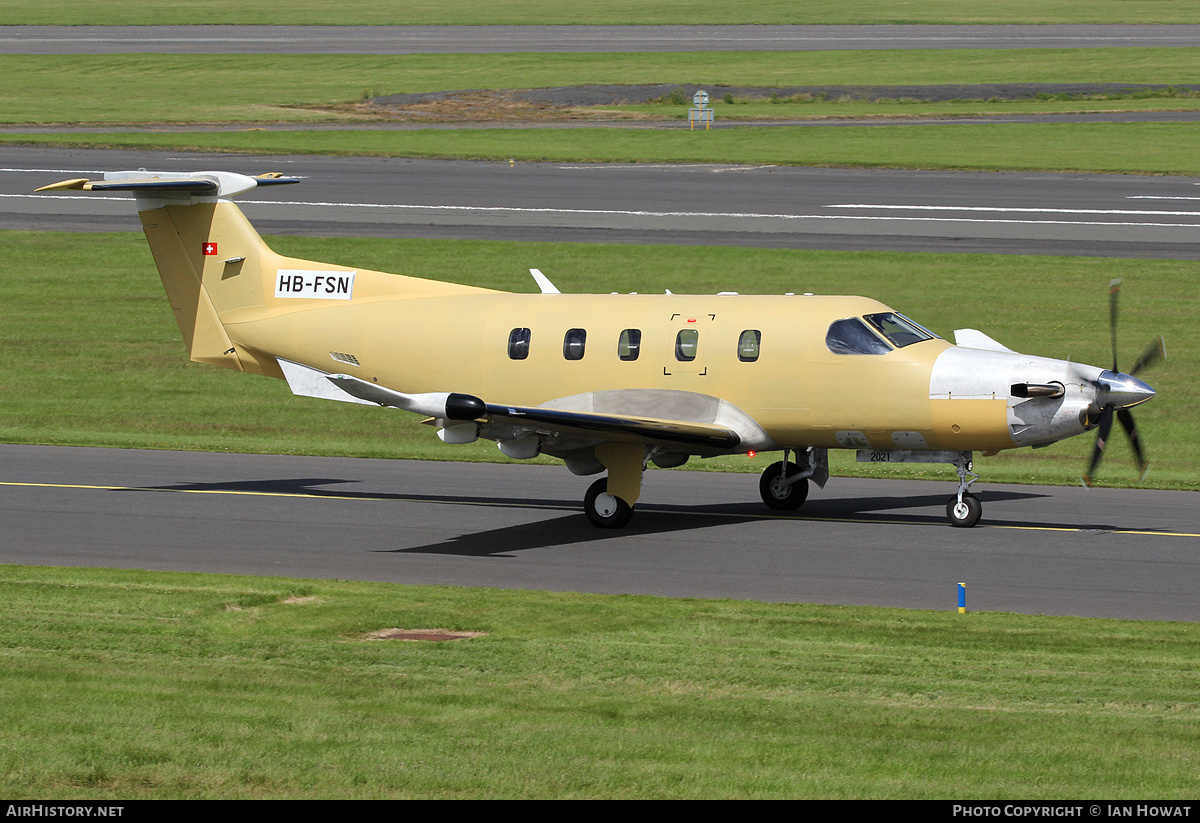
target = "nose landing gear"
x: 964, y: 509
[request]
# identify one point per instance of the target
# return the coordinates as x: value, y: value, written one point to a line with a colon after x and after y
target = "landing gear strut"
x: 963, y: 510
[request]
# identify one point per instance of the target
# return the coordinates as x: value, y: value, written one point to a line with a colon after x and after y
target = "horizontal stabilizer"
x: 200, y: 184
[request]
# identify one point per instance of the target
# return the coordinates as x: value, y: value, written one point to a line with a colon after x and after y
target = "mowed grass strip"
x: 90, y: 353
x: 604, y: 12
x: 174, y: 88
x: 843, y: 108
x: 1141, y: 148
x: 132, y: 684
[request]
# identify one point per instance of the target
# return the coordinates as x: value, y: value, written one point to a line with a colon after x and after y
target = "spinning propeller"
x: 1116, y: 393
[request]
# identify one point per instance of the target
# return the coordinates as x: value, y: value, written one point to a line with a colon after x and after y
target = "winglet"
x: 75, y: 183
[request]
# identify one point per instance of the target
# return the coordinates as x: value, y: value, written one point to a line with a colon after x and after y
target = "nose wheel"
x: 964, y: 512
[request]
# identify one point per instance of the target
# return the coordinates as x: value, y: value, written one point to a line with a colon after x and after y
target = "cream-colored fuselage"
x: 418, y: 335
x: 796, y: 389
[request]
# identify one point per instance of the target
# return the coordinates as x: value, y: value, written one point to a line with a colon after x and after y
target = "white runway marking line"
x: 52, y: 171
x: 725, y: 215
x: 1018, y: 210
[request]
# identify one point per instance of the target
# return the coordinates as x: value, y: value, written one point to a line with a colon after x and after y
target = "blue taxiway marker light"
x: 962, y: 598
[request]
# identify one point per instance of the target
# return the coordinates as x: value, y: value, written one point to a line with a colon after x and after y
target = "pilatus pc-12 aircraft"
x: 612, y: 382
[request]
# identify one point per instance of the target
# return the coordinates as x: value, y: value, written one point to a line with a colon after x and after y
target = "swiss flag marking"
x: 210, y: 248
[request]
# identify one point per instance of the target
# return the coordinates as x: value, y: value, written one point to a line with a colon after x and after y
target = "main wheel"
x: 777, y: 495
x: 966, y: 514
x: 603, y: 509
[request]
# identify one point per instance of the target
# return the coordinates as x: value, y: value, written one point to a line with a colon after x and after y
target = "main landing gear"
x: 784, y: 485
x: 609, y: 501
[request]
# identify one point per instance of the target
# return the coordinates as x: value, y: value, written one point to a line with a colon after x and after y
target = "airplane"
x: 610, y: 383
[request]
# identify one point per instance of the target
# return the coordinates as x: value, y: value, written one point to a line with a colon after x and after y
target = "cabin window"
x: 898, y: 329
x: 629, y: 345
x: 573, y: 343
x: 748, y: 345
x: 851, y: 336
x: 685, y: 345
x: 518, y: 344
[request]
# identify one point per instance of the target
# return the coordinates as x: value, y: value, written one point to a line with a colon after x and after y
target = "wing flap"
x: 617, y: 428
x: 622, y: 428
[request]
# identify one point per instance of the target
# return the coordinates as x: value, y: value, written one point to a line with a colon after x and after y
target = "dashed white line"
x: 1009, y: 209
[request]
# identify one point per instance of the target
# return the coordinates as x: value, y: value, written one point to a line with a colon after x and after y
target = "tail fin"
x: 213, y: 262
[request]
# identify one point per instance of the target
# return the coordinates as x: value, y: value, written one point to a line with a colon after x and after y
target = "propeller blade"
x: 1114, y: 291
x: 1157, y: 351
x: 1106, y: 418
x: 1126, y: 418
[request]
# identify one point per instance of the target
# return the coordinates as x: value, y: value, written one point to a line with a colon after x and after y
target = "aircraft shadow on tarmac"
x: 650, y: 519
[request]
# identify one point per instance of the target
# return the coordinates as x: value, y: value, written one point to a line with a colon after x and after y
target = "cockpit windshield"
x: 898, y: 329
x: 854, y: 336
x: 851, y: 336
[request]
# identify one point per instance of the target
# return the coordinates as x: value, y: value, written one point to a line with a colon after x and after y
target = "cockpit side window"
x: 851, y: 336
x: 898, y: 329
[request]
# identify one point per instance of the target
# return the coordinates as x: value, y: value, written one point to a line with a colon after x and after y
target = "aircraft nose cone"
x: 1121, y: 390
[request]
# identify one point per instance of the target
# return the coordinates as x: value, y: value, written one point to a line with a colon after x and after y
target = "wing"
x: 693, y: 423
x: 618, y: 428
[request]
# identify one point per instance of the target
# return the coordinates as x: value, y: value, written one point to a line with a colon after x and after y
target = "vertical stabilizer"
x: 196, y: 247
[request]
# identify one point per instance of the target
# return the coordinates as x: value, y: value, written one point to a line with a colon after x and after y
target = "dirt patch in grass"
x: 421, y: 634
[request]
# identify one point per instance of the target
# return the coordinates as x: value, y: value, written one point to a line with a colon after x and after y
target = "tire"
x: 604, y: 510
x: 778, y: 496
x: 966, y: 514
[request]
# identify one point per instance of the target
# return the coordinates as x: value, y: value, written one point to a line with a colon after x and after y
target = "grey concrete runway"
x: 1026, y: 213
x: 1100, y: 552
x: 499, y: 39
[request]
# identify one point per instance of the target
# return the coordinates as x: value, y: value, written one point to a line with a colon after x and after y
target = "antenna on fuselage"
x: 544, y: 282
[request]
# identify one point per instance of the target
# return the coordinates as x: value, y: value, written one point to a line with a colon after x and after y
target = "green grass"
x: 607, y: 12
x: 148, y: 88
x: 120, y: 89
x: 816, y: 108
x: 90, y: 354
x: 1139, y: 148
x: 129, y: 685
